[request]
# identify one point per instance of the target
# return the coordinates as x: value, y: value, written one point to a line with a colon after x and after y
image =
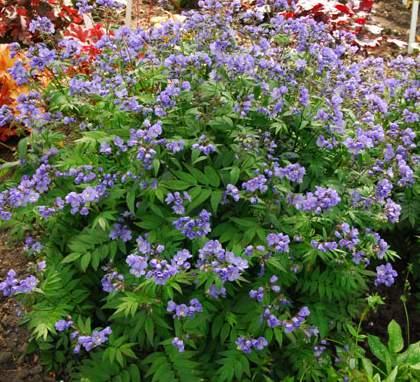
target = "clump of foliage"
x: 216, y: 214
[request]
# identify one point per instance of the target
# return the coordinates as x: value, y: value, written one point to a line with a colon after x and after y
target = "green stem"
x: 407, y: 319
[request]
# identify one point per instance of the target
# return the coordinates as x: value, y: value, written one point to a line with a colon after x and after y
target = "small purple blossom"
x: 246, y: 345
x: 278, y: 242
x: 120, y: 231
x: 204, y: 146
x: 63, y: 325
x: 392, y: 211
x: 177, y: 201
x: 194, y: 227
x: 41, y: 24
x: 322, y: 199
x: 385, y: 275
x: 11, y: 285
x: 256, y: 184
x: 89, y: 343
x: 293, y: 172
x: 183, y: 310
x: 179, y: 344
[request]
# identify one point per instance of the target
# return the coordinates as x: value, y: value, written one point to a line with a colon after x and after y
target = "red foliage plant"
x: 16, y: 15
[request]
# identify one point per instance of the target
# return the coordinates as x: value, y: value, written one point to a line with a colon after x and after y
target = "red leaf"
x: 317, y: 8
x: 344, y: 9
x: 366, y: 5
x: 21, y: 11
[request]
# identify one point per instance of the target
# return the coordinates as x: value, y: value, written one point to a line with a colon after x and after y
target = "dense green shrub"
x: 213, y: 214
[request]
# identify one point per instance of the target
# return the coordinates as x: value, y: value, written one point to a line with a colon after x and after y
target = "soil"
x: 15, y: 364
x: 394, y: 19
x: 405, y: 244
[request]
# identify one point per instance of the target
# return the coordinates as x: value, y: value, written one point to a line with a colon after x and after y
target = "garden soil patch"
x: 15, y: 364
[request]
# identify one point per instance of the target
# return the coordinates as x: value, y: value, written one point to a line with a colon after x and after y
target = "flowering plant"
x: 216, y: 214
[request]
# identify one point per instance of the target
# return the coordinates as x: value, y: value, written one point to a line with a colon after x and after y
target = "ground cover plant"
x: 203, y: 201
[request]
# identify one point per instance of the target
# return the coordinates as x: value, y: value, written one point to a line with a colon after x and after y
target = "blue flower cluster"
x: 12, y: 285
x: 183, y: 310
x: 248, y: 344
x: 213, y: 257
x: 194, y: 227
x: 146, y: 262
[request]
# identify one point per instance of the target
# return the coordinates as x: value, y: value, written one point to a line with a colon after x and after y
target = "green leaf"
x: 131, y: 199
x: 72, y: 257
x: 200, y: 199
x: 392, y: 377
x: 85, y: 261
x: 215, y: 199
x: 150, y: 329
x: 212, y: 176
x: 380, y: 351
x: 377, y: 347
x: 234, y: 175
x: 367, y: 366
x: 395, y: 338
x: 134, y: 373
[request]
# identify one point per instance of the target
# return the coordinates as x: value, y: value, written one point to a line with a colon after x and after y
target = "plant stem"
x: 407, y: 319
x: 7, y: 146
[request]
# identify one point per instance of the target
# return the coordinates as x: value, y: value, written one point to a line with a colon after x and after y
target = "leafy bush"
x: 204, y: 202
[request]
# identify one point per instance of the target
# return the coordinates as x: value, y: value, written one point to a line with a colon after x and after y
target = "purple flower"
x: 41, y: 24
x: 63, y: 325
x: 293, y: 172
x: 385, y: 275
x: 19, y: 73
x: 304, y: 96
x: 179, y: 344
x: 175, y: 146
x: 231, y: 191
x: 204, y: 146
x: 183, y: 310
x: 256, y: 184
x: 325, y: 246
x: 278, y: 241
x: 216, y: 292
x: 319, y: 201
x: 224, y: 263
x: 112, y: 282
x: 110, y: 4
x: 120, y: 231
x: 177, y: 201
x: 257, y: 294
x: 392, y: 211
x: 194, y: 227
x: 246, y: 345
x: 105, y: 148
x: 32, y: 246
x: 137, y: 264
x: 97, y: 338
x: 5, y: 115
x: 83, y: 6
x: 383, y: 189
x: 11, y: 285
